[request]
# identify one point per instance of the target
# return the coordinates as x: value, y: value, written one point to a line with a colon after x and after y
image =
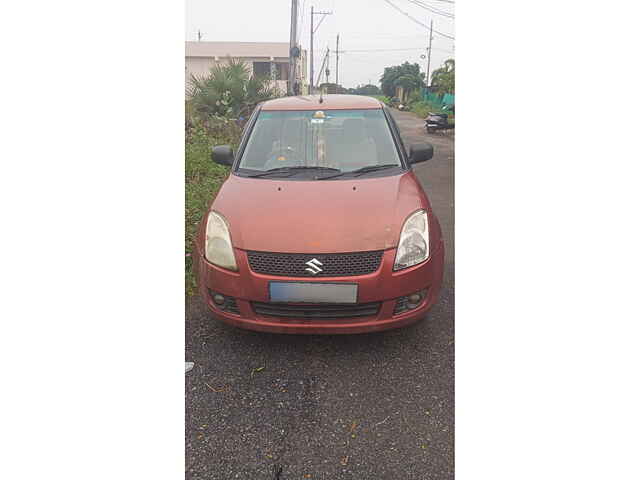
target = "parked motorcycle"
x: 437, y: 121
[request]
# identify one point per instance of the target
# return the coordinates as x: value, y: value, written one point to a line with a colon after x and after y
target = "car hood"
x: 318, y: 216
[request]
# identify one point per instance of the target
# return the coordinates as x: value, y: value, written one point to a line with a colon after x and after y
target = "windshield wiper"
x: 290, y: 170
x: 361, y: 171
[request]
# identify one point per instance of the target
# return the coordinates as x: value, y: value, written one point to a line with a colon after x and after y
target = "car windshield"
x: 343, y: 140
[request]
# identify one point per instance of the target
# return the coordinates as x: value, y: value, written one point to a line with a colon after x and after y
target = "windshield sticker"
x: 318, y: 117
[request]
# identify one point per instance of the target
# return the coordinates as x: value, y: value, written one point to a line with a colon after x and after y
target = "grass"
x: 422, y: 109
x: 203, y: 178
x: 419, y: 107
x: 383, y: 99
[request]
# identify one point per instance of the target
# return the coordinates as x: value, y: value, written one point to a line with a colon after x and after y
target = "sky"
x: 362, y: 25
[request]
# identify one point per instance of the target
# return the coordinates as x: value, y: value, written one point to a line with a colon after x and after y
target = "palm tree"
x: 229, y: 90
x: 443, y: 79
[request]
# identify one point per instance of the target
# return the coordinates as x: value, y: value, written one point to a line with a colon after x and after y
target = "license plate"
x: 307, y: 292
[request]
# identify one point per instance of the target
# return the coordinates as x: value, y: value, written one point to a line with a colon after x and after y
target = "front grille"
x: 333, y: 264
x: 229, y: 304
x: 327, y: 311
x: 402, y: 305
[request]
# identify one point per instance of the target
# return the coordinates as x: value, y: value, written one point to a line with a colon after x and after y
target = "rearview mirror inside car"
x: 420, y: 152
x: 222, y: 154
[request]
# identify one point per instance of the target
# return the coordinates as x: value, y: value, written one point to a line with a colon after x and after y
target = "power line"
x: 394, y: 50
x: 432, y: 9
x: 426, y: 2
x: 432, y: 6
x: 395, y: 39
x: 369, y: 35
x: 443, y: 50
x: 382, y: 50
x: 418, y: 21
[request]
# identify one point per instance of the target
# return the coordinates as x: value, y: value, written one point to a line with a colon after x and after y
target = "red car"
x: 321, y: 227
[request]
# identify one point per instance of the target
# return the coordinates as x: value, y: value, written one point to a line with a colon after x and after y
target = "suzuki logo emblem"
x: 314, y: 267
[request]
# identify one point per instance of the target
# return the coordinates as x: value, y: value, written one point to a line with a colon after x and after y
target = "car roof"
x: 329, y: 102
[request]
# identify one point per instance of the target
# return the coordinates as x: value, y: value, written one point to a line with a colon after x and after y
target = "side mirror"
x: 222, y: 154
x: 420, y: 152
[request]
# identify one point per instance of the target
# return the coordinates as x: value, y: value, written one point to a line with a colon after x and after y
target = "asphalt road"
x: 372, y: 406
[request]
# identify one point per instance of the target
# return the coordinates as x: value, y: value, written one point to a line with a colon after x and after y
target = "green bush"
x: 230, y: 90
x: 414, y: 97
x: 203, y: 177
x: 384, y: 99
x: 423, y: 108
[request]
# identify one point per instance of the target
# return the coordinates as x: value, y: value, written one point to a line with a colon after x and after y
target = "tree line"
x: 409, y: 77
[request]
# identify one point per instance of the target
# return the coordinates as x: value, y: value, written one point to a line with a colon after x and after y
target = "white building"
x: 263, y: 58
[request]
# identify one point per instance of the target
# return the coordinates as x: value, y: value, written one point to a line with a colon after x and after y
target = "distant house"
x: 263, y: 58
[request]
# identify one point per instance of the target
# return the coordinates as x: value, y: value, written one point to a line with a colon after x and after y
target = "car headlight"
x: 414, y: 241
x: 217, y: 244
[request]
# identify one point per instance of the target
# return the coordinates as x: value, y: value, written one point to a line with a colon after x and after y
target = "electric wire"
x: 418, y: 21
x: 432, y: 9
x: 393, y: 50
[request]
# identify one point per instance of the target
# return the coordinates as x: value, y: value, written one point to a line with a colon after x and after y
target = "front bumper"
x: 384, y: 286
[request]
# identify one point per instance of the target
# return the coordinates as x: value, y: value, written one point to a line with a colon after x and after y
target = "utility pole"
x: 313, y: 30
x: 311, y: 57
x: 429, y: 53
x: 324, y: 68
x: 293, y: 50
x: 327, y: 70
x: 337, y: 55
